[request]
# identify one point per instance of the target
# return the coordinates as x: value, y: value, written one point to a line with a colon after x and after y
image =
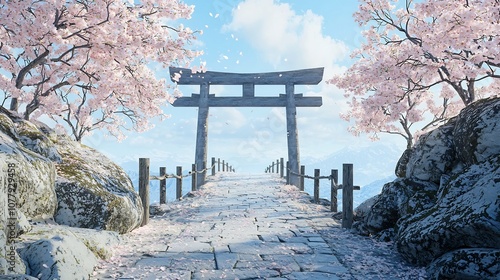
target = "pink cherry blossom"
x: 420, y: 64
x: 88, y: 64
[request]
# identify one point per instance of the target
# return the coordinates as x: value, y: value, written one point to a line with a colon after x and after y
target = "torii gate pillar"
x: 290, y: 101
x: 202, y: 134
x: 292, y: 135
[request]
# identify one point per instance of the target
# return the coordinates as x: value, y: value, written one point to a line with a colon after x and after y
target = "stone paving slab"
x: 235, y: 227
x: 237, y: 274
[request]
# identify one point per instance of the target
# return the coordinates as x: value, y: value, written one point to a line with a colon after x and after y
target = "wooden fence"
x: 145, y: 177
x: 347, y: 187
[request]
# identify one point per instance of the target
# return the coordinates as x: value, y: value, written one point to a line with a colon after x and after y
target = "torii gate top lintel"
x: 183, y: 76
x: 290, y: 101
x: 311, y: 76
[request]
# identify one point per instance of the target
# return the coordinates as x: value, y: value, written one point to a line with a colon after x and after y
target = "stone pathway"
x: 240, y: 227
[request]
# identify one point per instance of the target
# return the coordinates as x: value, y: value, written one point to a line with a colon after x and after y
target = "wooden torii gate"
x: 204, y: 100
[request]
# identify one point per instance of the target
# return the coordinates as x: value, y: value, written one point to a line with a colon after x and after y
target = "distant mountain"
x: 360, y: 196
x: 373, y: 167
x: 371, y: 163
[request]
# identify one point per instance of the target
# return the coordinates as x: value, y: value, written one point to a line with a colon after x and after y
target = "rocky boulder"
x: 93, y: 192
x: 34, y: 176
x: 60, y: 178
x: 481, y: 264
x: 45, y: 176
x: 38, y: 138
x: 400, y: 198
x: 444, y: 210
x: 433, y: 155
x: 61, y: 252
x: 466, y: 215
x: 26, y: 192
x: 60, y: 257
x: 477, y: 132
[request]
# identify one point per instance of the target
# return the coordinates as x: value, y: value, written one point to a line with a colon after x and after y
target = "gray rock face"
x: 448, y: 198
x: 433, y: 155
x: 398, y: 199
x: 364, y: 208
x: 477, y: 131
x: 481, y: 264
x: 94, y: 192
x: 60, y: 257
x: 26, y: 192
x: 400, y: 170
x: 10, y: 261
x: 57, y: 178
x: 38, y: 139
x: 466, y: 215
x: 34, y: 176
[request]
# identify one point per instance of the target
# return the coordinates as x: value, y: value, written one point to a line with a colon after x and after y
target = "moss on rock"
x: 88, y: 180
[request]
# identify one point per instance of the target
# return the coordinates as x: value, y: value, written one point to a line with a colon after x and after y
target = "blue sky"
x: 257, y: 36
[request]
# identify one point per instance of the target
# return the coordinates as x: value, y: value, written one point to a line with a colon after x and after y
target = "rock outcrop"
x: 27, y: 182
x: 45, y: 176
x: 444, y: 210
x: 60, y: 178
x: 93, y: 192
x: 33, y: 174
x: 69, y: 258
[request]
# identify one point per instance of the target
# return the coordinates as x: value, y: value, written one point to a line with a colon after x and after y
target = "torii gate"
x: 290, y: 100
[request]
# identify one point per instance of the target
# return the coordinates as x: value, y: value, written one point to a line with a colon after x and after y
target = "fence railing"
x: 145, y: 177
x: 347, y: 187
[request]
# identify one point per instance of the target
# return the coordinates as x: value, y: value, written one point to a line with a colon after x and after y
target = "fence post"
x: 347, y: 195
x: 218, y: 164
x: 163, y: 186
x: 194, y: 185
x: 303, y: 173
x: 333, y: 195
x: 203, y: 172
x: 227, y: 166
x: 316, y: 185
x: 223, y: 166
x: 144, y: 188
x: 213, y: 166
x: 272, y: 167
x: 178, y: 193
x: 288, y: 172
x: 277, y: 166
x: 282, y: 168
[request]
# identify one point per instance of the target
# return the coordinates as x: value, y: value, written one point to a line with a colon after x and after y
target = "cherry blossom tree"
x: 89, y: 63
x: 421, y: 63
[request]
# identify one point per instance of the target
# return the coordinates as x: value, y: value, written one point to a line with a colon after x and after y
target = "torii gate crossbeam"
x: 290, y: 100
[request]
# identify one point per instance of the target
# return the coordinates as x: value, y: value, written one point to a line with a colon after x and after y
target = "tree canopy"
x: 421, y: 62
x: 89, y: 63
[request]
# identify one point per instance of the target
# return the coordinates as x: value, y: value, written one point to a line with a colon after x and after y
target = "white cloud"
x: 291, y: 40
x: 285, y: 38
x: 226, y: 120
